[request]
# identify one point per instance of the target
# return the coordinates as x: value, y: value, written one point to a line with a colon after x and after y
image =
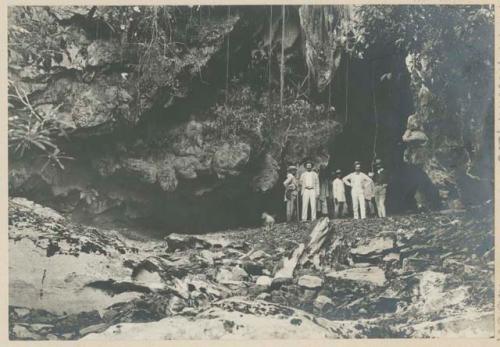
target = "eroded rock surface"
x: 69, y: 281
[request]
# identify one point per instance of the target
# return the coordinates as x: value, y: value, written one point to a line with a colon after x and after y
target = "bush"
x: 33, y: 132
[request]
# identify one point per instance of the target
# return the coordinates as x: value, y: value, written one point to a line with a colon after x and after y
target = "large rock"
x: 475, y: 324
x: 311, y: 282
x: 230, y: 159
x: 167, y: 178
x: 373, y: 246
x: 146, y: 171
x: 187, y: 167
x: 264, y: 281
x: 232, y: 318
x: 322, y: 302
x: 50, y: 268
x: 268, y: 174
x: 372, y: 274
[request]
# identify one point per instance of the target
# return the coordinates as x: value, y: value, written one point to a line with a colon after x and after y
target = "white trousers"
x: 358, y: 203
x: 380, y: 200
x: 309, y: 198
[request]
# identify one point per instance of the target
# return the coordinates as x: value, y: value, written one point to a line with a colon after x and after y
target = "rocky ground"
x: 425, y: 275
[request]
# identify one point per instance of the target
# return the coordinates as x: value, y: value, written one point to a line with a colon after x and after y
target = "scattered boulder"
x: 391, y: 256
x: 311, y: 282
x: 74, y: 322
x: 256, y: 255
x: 264, y: 296
x: 415, y: 264
x: 375, y: 245
x: 144, y: 170
x: 253, y: 268
x: 372, y: 274
x: 193, y: 277
x: 475, y: 324
x: 322, y: 302
x: 178, y: 242
x: 236, y: 274
x: 264, y: 281
x: 93, y: 329
x: 21, y: 332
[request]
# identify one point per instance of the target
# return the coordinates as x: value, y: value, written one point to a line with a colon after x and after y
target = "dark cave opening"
x: 356, y: 90
x: 373, y: 101
x: 236, y: 205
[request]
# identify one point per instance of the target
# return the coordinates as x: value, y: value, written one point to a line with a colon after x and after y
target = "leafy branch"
x: 30, y: 131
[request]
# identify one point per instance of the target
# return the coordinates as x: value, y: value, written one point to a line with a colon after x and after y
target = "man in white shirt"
x: 309, y: 183
x: 339, y: 200
x: 357, y: 180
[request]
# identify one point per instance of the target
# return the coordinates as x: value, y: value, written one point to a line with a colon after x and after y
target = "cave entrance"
x: 373, y: 101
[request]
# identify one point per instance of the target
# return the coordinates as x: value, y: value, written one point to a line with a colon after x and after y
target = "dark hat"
x: 308, y: 162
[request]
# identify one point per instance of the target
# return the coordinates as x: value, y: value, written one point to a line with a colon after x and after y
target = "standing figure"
x: 291, y: 187
x: 324, y: 192
x: 357, y: 180
x: 338, y: 193
x: 369, y: 191
x: 381, y: 181
x: 309, y: 183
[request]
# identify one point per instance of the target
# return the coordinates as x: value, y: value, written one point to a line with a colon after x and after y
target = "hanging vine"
x: 282, y: 68
x: 227, y: 56
x: 375, y: 112
x: 270, y: 55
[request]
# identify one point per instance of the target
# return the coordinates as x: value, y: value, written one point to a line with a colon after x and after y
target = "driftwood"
x: 288, y: 267
x: 317, y: 239
x: 303, y: 254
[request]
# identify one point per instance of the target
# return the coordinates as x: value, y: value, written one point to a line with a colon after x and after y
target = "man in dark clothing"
x: 381, y: 181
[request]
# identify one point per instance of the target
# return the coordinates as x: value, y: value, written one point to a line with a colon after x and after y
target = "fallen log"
x: 317, y: 239
x: 288, y: 264
x: 303, y: 254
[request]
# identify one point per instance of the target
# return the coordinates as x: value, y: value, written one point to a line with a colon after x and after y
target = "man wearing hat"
x: 381, y: 181
x: 357, y: 180
x: 369, y: 191
x: 309, y: 182
x: 339, y: 201
x: 291, y: 186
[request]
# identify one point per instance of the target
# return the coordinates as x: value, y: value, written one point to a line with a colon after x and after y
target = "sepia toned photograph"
x: 250, y: 172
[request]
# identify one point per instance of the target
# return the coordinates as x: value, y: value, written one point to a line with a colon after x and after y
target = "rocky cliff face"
x: 140, y: 133
x: 172, y: 114
x: 450, y: 135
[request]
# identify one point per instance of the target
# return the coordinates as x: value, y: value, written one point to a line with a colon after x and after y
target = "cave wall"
x: 166, y: 139
x: 449, y: 136
x: 179, y: 126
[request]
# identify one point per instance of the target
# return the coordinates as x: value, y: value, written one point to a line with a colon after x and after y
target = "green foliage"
x: 247, y: 114
x: 33, y: 132
x: 449, y: 54
x: 421, y: 27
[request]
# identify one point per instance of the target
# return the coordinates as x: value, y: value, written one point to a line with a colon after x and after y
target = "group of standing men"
x: 364, y: 190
